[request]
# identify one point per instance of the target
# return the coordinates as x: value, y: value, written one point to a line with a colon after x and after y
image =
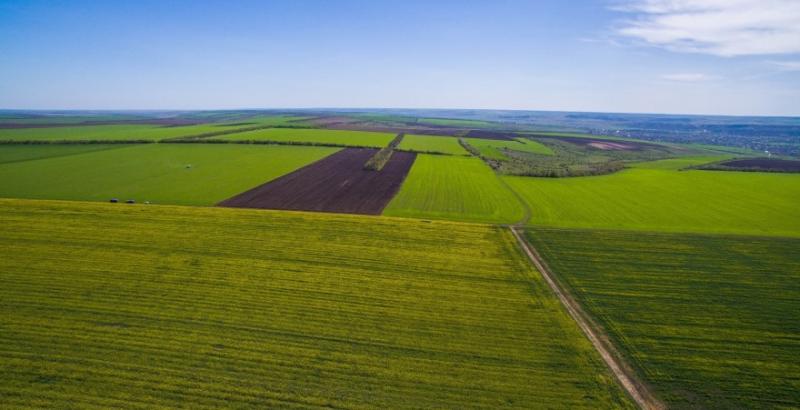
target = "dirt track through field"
x: 624, y: 373
x: 337, y: 183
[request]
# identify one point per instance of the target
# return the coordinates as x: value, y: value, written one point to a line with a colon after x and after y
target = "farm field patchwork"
x: 455, y: 187
x: 109, y: 132
x: 186, y: 174
x: 109, y: 305
x: 123, y: 132
x: 493, y: 148
x: 452, y: 122
x: 337, y: 183
x: 315, y: 136
x: 710, y: 320
x: 430, y: 143
x: 654, y: 197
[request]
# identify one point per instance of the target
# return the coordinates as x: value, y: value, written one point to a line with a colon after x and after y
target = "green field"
x: 109, y: 305
x: 153, y: 172
x: 105, y: 132
x: 26, y: 152
x: 315, y: 136
x: 677, y: 164
x: 452, y: 122
x: 493, y: 149
x: 710, y: 321
x: 430, y: 143
x: 458, y: 188
x: 656, y: 196
x: 132, y: 131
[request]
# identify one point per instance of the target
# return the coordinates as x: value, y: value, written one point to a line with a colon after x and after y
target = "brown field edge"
x: 337, y: 183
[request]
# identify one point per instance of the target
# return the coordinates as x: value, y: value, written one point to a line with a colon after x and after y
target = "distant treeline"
x: 418, y: 151
x: 592, y: 170
x: 472, y: 150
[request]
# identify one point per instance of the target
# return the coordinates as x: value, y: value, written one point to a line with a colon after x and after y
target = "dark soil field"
x: 767, y: 164
x: 337, y: 183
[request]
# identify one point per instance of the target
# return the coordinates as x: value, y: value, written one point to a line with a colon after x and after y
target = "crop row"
x: 710, y: 321
x: 134, y: 306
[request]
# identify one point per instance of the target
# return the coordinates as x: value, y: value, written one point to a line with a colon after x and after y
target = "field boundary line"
x: 623, y: 372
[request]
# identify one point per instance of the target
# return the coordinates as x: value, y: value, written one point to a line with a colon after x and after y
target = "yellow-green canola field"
x: 115, y: 305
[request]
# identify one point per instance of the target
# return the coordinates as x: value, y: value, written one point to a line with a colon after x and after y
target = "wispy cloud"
x: 786, y: 65
x: 687, y: 77
x: 719, y: 27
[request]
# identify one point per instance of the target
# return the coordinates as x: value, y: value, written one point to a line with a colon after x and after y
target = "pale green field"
x: 655, y: 196
x: 454, y: 187
x: 131, y: 306
x: 315, y: 136
x: 494, y: 148
x: 26, y: 152
x: 430, y: 143
x: 154, y: 172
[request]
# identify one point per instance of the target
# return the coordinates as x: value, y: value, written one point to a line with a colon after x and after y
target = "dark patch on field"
x: 337, y: 183
x: 492, y: 135
x: 768, y: 164
x: 602, y: 144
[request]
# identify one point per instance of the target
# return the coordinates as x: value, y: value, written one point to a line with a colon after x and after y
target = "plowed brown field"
x: 337, y: 183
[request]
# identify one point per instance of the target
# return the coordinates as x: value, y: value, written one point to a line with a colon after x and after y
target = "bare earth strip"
x: 627, y: 377
x: 337, y: 183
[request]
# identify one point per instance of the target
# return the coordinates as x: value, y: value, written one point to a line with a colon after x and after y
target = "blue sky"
x: 734, y: 57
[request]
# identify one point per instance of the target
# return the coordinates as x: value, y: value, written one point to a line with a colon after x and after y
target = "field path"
x: 627, y: 377
x: 525, y: 207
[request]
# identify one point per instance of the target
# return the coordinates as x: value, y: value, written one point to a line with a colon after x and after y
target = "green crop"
x: 657, y: 196
x: 115, y: 305
x: 711, y: 321
x: 25, y: 152
x: 186, y: 174
x: 495, y: 149
x: 315, y: 136
x: 432, y: 144
x: 132, y: 132
x: 459, y: 188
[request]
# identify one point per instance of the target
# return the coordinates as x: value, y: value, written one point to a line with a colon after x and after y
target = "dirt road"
x: 621, y: 370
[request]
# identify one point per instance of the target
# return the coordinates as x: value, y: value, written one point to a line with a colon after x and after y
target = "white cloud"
x: 719, y: 27
x: 687, y: 77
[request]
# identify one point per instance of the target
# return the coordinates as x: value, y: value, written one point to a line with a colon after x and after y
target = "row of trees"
x: 379, y: 160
